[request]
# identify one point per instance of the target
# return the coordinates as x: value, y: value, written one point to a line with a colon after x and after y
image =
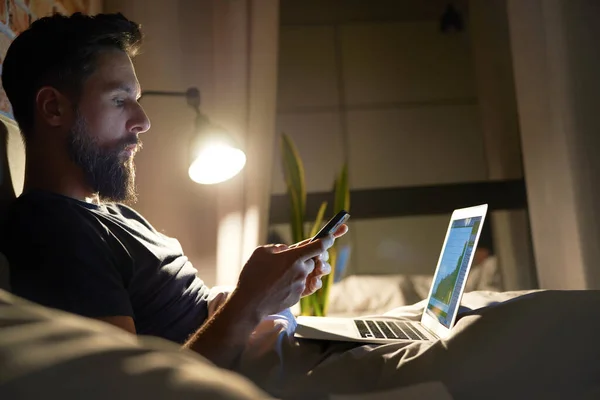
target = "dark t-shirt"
x: 102, y: 260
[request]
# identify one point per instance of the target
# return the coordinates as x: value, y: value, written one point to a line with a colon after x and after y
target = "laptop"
x: 444, y: 298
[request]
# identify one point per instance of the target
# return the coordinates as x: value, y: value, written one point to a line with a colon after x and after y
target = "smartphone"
x: 333, y: 224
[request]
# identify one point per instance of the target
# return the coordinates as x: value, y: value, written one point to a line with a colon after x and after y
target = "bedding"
x: 50, y: 354
x: 376, y: 294
x: 47, y: 353
x: 539, y: 344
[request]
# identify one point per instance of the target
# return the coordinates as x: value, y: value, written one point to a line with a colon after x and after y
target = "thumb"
x: 274, y: 248
x: 309, y: 250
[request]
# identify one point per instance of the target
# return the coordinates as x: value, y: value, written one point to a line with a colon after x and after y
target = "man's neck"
x: 46, y: 172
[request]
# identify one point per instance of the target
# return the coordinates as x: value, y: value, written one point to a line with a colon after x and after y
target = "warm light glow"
x: 229, y: 249
x: 251, y: 231
x: 217, y: 163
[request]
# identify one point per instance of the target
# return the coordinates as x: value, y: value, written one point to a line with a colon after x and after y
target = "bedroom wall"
x: 492, y: 58
x: 556, y: 63
x: 177, y: 54
x: 228, y: 50
x: 377, y: 84
x: 400, y: 99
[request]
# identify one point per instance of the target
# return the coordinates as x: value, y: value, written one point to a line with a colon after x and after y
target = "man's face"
x: 104, y: 137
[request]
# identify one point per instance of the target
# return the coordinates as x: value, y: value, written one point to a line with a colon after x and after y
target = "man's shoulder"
x: 45, y: 213
x: 38, y: 204
x: 125, y: 210
x: 129, y: 213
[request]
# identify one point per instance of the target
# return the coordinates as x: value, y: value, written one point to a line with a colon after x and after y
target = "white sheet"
x: 377, y: 294
x: 525, y: 347
x: 538, y: 345
x: 47, y: 353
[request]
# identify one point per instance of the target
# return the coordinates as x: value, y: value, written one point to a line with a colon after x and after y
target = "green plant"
x: 293, y: 171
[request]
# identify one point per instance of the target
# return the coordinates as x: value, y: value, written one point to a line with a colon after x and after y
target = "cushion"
x: 47, y: 353
x: 12, y: 173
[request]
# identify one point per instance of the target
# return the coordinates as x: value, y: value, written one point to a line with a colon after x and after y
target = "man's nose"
x: 140, y: 122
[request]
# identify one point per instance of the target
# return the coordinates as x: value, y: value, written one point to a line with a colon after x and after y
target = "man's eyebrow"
x: 123, y: 87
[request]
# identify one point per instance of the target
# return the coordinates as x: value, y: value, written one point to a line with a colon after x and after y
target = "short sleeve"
x: 62, y: 257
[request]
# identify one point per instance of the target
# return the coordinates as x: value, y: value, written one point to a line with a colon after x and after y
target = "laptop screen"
x: 452, y: 270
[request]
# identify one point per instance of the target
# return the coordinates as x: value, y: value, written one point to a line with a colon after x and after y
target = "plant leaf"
x: 319, y: 220
x: 341, y: 202
x: 293, y: 171
x: 342, y: 191
x: 305, y: 306
x: 328, y: 281
x: 317, y: 307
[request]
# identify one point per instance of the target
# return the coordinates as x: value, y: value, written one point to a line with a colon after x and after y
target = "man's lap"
x: 507, y: 348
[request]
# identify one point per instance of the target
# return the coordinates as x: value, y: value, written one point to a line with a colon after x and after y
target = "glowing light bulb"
x: 216, y: 163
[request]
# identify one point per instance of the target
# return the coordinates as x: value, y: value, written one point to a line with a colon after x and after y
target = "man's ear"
x: 53, y: 107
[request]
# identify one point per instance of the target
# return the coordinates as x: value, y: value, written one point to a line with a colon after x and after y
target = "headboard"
x: 12, y: 173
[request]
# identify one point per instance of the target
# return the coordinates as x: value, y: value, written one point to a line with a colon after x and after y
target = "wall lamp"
x: 214, y: 156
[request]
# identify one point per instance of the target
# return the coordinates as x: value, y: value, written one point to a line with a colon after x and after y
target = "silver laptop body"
x: 443, y: 301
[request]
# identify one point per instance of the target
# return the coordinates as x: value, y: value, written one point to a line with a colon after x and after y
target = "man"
x: 71, y: 245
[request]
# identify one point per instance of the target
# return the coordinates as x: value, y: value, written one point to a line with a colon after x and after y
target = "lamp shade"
x: 215, y: 157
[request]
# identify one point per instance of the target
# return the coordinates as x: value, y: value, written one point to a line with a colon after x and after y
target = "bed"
x: 376, y: 294
x: 540, y: 344
x: 505, y: 345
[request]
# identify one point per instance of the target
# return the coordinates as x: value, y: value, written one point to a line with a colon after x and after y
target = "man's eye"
x: 119, y: 102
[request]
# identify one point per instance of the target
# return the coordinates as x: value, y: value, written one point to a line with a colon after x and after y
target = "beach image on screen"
x: 456, y: 255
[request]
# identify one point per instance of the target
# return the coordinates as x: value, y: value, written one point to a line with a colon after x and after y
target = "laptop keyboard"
x: 388, y: 330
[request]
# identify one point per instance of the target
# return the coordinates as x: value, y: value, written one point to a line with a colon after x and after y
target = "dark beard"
x: 106, y: 172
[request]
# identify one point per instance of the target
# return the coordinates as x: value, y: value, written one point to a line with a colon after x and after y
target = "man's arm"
x: 272, y: 280
x: 125, y: 323
x: 223, y: 338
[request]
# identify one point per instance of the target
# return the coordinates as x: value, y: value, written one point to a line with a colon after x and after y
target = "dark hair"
x: 60, y: 51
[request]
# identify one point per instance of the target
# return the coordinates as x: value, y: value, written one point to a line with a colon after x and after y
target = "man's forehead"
x: 114, y: 71
x: 132, y: 88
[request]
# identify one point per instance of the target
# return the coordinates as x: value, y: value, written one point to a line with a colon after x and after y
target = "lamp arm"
x: 192, y: 96
x: 228, y: 160
x: 162, y: 93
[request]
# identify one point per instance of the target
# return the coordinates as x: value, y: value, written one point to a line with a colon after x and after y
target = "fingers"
x: 315, y: 283
x: 309, y: 266
x: 305, y: 241
x: 272, y: 248
x: 341, y: 231
x: 322, y: 268
x: 309, y: 250
x: 280, y: 247
x: 314, y: 280
x: 312, y: 285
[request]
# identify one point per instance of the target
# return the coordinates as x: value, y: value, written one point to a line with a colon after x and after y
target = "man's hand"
x: 272, y: 280
x: 322, y: 267
x: 275, y: 276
